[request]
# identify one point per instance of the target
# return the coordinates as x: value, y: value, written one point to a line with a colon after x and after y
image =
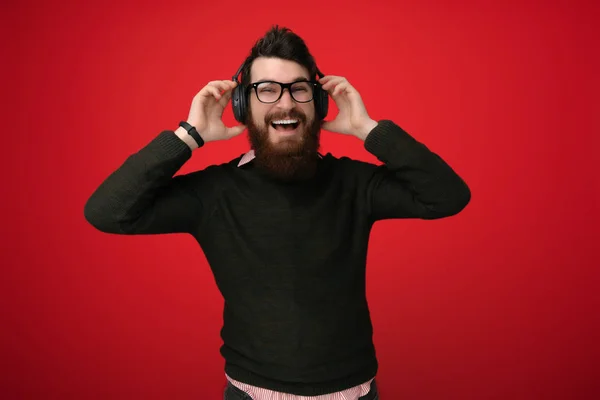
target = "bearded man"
x: 285, y: 229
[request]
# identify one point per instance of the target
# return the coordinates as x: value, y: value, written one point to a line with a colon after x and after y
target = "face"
x: 285, y: 151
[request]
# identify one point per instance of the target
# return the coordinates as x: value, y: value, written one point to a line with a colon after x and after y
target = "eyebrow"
x: 297, y: 78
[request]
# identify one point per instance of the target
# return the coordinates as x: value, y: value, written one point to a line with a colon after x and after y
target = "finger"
x: 328, y: 126
x: 223, y: 85
x: 235, y: 130
x: 342, y: 88
x: 210, y: 91
x: 225, y: 98
x: 327, y: 78
x: 332, y: 83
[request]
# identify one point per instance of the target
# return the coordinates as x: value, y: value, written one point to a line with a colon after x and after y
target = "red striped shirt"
x: 258, y: 393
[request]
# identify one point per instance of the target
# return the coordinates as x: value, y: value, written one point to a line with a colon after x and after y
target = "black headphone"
x: 239, y: 99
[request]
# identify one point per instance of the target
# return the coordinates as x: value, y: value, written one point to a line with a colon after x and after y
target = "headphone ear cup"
x: 322, y: 103
x: 238, y: 104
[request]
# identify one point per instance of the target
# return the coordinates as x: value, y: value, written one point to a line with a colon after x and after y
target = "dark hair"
x: 281, y: 43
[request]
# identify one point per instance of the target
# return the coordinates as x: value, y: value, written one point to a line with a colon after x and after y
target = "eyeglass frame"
x: 284, y: 86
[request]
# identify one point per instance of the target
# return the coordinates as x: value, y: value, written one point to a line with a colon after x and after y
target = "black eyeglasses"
x: 271, y: 91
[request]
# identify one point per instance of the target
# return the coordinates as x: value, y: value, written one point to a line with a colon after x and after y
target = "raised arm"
x: 413, y: 182
x: 143, y: 196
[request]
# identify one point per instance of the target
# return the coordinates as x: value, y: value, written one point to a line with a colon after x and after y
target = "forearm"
x: 437, y: 190
x: 128, y: 193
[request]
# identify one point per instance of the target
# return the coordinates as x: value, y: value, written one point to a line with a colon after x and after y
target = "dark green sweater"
x: 289, y: 259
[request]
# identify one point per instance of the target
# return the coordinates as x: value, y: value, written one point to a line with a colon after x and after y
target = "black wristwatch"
x: 191, y: 130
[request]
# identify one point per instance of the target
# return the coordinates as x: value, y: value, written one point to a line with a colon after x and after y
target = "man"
x: 284, y: 228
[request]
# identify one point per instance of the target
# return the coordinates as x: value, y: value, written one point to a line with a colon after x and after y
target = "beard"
x: 293, y: 158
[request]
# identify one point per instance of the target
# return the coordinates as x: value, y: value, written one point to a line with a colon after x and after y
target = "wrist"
x: 365, y: 129
x: 186, y: 138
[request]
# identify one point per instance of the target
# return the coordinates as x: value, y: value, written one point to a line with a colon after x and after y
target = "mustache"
x: 292, y: 114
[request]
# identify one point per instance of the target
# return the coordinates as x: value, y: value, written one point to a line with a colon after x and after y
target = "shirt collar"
x: 249, y: 156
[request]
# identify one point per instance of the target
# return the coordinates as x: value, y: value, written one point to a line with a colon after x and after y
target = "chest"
x: 287, y: 226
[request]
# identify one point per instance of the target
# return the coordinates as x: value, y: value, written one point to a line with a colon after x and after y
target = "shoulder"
x: 351, y: 165
x: 357, y: 173
x: 210, y: 173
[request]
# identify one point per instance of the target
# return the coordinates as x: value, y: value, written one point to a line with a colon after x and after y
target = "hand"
x: 207, y: 108
x: 352, y: 118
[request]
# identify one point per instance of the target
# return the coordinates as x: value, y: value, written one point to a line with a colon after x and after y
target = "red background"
x: 498, y: 302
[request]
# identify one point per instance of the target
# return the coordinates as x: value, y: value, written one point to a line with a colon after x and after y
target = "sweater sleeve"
x: 413, y: 181
x: 143, y: 196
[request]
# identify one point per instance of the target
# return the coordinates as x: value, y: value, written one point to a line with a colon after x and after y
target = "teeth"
x: 285, y: 121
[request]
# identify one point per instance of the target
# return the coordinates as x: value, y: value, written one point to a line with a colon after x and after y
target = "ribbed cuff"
x: 168, y: 146
x: 387, y: 139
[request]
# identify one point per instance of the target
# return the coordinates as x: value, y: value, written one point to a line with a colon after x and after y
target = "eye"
x: 301, y: 87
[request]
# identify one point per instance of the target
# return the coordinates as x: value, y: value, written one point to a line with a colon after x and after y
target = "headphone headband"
x: 239, y: 71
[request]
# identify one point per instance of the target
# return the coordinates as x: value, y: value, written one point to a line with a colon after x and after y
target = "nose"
x: 286, y: 101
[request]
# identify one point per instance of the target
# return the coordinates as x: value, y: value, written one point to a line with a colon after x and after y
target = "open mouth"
x: 285, y: 124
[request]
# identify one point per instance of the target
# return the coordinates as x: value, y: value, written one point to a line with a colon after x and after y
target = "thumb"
x: 235, y: 130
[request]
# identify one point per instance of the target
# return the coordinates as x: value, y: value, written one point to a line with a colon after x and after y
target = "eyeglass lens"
x: 269, y: 92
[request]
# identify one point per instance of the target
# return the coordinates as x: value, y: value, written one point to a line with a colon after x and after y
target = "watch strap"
x: 191, y: 130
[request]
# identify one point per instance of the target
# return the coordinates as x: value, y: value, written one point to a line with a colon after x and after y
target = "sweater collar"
x: 249, y: 156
